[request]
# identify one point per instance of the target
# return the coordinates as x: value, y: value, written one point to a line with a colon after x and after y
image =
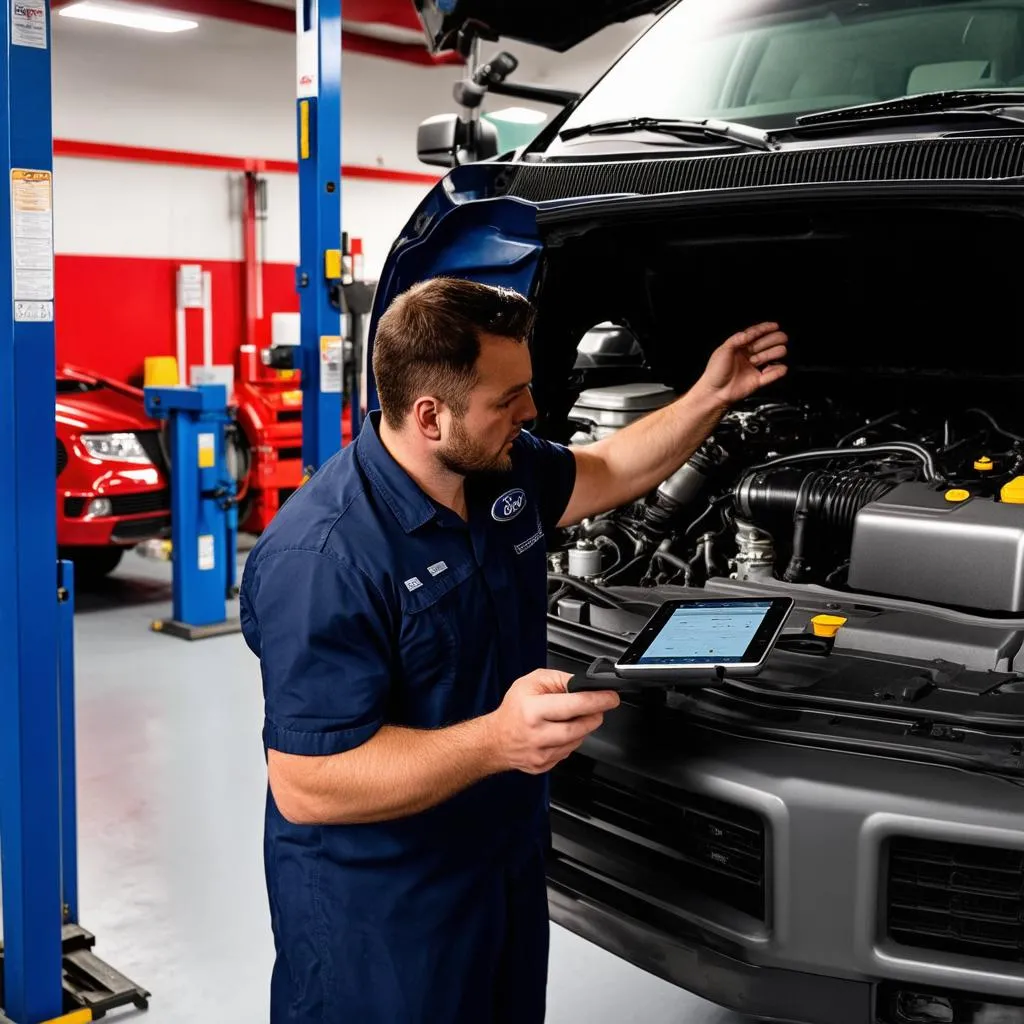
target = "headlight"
x: 115, y: 447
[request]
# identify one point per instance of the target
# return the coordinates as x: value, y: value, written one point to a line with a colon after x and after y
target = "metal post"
x: 204, y: 518
x: 29, y: 722
x: 68, y: 755
x: 318, y: 37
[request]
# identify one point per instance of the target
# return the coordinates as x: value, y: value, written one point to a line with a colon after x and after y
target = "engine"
x: 915, y: 503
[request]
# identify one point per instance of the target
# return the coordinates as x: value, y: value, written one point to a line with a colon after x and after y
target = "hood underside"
x: 555, y: 26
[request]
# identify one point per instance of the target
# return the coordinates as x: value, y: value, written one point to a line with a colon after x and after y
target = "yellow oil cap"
x: 1013, y: 491
x: 827, y: 625
x: 983, y: 465
x: 957, y: 494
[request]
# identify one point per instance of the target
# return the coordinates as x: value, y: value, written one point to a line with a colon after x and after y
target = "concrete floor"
x: 171, y: 786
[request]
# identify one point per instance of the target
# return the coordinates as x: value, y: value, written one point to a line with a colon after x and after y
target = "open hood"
x: 554, y: 24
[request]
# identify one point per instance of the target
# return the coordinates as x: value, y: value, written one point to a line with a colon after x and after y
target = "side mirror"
x: 437, y: 140
x: 446, y: 140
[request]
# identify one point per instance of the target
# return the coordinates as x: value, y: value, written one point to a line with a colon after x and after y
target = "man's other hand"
x: 539, y: 723
x: 746, y: 362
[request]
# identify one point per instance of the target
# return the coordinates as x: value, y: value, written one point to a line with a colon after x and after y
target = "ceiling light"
x: 147, y: 22
x: 519, y: 115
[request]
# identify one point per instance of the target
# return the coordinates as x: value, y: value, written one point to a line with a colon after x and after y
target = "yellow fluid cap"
x: 957, y: 494
x: 983, y: 465
x: 1013, y: 491
x: 827, y: 625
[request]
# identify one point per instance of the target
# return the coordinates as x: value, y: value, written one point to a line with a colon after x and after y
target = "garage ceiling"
x: 380, y: 28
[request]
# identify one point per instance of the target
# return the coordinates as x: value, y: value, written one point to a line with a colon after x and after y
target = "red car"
x: 113, y: 488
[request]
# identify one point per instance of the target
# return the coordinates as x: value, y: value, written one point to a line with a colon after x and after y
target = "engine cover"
x: 915, y: 543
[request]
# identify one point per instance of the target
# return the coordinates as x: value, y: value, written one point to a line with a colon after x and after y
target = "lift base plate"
x: 89, y: 983
x: 185, y: 631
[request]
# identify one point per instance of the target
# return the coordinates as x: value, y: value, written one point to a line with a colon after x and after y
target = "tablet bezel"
x: 756, y: 654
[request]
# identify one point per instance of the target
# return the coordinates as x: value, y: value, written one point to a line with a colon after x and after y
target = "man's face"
x: 499, y: 405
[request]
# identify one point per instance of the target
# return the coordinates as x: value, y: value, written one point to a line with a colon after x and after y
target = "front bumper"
x: 820, y: 952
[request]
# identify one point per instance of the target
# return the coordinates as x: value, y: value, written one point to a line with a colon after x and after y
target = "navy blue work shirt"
x: 370, y: 604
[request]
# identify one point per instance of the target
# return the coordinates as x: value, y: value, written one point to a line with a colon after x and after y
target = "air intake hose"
x: 662, y: 510
x: 787, y: 498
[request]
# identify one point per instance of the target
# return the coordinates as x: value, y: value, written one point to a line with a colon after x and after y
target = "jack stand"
x: 204, y: 513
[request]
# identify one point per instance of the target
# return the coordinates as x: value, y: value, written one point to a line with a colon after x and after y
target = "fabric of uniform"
x: 369, y: 604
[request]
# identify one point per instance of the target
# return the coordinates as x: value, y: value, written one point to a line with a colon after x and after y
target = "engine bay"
x: 889, y: 462
x: 808, y: 492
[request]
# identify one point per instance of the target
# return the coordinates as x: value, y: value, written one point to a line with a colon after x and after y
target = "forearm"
x: 637, y: 458
x: 397, y: 773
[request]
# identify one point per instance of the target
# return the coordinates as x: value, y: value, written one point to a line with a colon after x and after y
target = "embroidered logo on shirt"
x: 413, y: 584
x: 509, y: 505
x: 437, y: 568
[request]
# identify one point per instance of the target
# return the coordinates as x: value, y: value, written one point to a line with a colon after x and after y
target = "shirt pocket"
x: 428, y: 656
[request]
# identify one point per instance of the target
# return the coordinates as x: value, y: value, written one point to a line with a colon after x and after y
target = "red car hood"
x: 104, y: 408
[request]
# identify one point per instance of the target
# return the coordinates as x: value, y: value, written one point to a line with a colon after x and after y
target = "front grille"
x: 660, y: 839
x: 289, y: 453
x: 62, y: 457
x: 967, y: 160
x: 957, y: 898
x: 139, y: 504
x: 290, y: 416
x: 132, y: 530
x: 73, y: 507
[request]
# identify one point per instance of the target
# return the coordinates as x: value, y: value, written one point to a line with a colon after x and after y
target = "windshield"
x: 765, y: 62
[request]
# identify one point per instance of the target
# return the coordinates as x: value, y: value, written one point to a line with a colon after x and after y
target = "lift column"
x: 318, y: 71
x: 29, y: 721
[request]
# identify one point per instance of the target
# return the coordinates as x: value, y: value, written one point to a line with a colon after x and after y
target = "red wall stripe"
x: 184, y: 158
x: 113, y: 336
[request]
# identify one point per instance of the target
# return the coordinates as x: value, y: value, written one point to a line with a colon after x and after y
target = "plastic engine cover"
x: 914, y: 543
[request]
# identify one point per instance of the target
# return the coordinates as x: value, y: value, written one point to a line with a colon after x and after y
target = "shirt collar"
x: 410, y: 506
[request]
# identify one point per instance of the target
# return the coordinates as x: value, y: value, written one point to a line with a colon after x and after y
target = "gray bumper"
x: 828, y: 816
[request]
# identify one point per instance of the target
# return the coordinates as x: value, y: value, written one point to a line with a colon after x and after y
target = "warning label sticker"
x: 32, y: 235
x: 207, y: 560
x: 28, y: 23
x: 207, y: 453
x: 33, y: 312
x: 330, y: 365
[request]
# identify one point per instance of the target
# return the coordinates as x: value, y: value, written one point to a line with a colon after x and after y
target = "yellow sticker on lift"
x: 207, y: 452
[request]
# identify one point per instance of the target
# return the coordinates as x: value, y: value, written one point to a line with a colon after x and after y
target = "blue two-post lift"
x: 319, y: 275
x: 50, y: 973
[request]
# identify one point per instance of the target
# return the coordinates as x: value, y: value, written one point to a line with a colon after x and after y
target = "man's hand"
x: 743, y: 364
x: 540, y: 724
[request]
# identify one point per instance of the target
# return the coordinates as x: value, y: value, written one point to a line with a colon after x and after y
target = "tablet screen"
x: 706, y: 633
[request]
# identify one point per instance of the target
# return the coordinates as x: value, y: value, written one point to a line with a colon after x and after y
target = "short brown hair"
x: 428, y: 341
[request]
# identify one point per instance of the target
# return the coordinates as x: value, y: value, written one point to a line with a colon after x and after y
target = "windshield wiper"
x: 984, y: 101
x: 709, y: 128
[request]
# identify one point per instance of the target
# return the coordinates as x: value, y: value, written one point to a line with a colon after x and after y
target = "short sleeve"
x: 321, y: 631
x: 553, y: 467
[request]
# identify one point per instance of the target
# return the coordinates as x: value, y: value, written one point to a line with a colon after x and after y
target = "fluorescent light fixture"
x: 518, y: 115
x: 147, y: 21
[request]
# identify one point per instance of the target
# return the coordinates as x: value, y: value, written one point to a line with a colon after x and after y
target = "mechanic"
x: 397, y: 604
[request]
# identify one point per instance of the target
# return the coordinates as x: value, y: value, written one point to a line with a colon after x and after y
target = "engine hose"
x: 832, y: 500
x: 602, y: 596
x: 890, y: 448
x: 610, y: 531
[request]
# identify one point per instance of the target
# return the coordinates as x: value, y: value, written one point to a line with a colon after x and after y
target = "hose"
x: 890, y: 448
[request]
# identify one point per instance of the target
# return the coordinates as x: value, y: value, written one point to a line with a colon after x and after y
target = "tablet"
x: 737, y: 634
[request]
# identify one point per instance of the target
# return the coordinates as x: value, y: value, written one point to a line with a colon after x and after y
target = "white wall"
x: 228, y: 89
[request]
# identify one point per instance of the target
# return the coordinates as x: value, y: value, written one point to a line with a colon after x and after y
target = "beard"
x: 464, y: 455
